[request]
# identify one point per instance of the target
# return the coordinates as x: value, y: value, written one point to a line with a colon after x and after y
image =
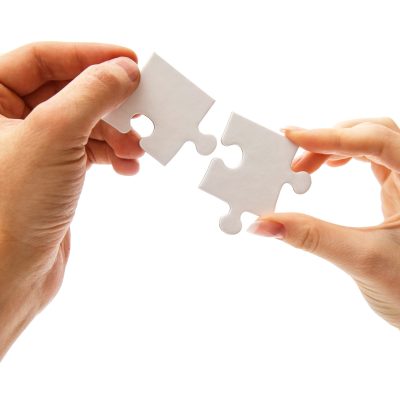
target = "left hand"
x: 369, y: 255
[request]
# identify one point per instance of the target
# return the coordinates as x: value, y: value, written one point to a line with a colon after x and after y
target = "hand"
x: 52, y: 97
x: 370, y: 255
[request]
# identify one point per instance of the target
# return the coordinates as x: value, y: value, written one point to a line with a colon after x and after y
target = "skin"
x: 52, y: 97
x: 369, y: 255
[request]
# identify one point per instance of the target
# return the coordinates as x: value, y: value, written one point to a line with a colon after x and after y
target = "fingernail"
x: 268, y: 228
x: 297, y: 160
x: 129, y: 66
x: 291, y: 129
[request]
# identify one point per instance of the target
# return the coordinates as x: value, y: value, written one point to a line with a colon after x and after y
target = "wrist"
x: 20, y: 281
x: 17, y: 308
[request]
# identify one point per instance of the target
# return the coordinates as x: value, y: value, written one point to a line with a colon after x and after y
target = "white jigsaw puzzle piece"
x: 175, y: 106
x: 255, y: 185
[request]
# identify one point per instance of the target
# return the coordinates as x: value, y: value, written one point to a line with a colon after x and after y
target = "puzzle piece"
x: 255, y: 185
x: 175, y: 106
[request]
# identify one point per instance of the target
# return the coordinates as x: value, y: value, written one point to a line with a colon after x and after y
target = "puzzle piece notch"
x: 175, y: 106
x: 255, y: 185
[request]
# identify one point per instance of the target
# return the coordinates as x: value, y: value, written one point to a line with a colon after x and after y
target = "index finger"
x: 377, y: 142
x: 26, y: 69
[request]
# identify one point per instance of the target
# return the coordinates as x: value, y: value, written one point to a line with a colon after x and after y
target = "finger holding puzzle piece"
x: 176, y: 107
x: 255, y: 185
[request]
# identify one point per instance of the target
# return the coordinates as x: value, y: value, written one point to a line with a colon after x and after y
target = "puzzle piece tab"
x: 175, y: 106
x: 255, y: 185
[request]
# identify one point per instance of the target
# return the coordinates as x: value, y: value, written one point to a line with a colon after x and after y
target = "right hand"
x: 370, y: 255
x: 52, y: 99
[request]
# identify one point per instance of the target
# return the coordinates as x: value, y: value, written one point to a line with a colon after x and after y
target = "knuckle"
x: 343, y: 124
x: 370, y: 129
x: 120, y: 150
x: 377, y: 138
x: 103, y: 76
x: 36, y: 45
x: 389, y: 122
x: 368, y: 124
x: 340, y: 136
x: 11, y: 106
x: 309, y: 239
x: 3, y: 100
x: 30, y: 47
x: 386, y: 142
x: 43, y: 69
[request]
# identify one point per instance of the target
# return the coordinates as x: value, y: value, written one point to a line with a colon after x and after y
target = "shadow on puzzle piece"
x: 255, y: 185
x: 175, y: 106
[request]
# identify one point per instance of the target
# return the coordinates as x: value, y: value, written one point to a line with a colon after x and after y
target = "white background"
x: 157, y: 303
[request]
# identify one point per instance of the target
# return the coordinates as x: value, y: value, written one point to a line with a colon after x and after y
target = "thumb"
x: 352, y: 249
x: 78, y: 107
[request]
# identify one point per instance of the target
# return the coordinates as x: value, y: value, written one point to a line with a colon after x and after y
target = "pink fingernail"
x: 297, y: 160
x: 268, y: 228
x: 291, y: 129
